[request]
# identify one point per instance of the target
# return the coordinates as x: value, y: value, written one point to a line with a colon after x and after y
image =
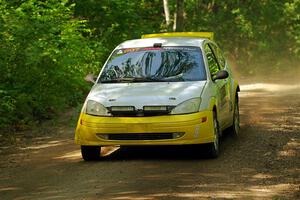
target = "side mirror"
x: 222, y: 74
x: 90, y: 78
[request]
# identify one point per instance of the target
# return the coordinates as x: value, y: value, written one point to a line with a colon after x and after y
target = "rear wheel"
x: 213, y: 148
x: 90, y: 153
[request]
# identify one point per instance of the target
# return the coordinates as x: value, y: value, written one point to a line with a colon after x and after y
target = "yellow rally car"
x: 163, y: 89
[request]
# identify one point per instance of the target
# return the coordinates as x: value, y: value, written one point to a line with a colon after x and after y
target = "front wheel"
x: 213, y: 148
x: 90, y: 153
x: 235, y: 128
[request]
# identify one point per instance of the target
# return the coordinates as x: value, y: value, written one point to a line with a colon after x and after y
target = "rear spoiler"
x: 208, y: 35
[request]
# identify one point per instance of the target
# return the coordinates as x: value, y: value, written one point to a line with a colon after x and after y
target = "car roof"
x: 170, y: 41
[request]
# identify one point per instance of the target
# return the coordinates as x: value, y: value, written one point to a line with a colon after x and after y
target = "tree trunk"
x: 179, y: 15
x: 167, y: 14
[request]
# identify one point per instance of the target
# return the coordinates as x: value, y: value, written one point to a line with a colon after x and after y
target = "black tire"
x: 235, y: 128
x: 90, y: 153
x: 213, y: 149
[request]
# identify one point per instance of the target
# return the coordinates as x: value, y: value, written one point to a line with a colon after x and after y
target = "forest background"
x: 47, y: 47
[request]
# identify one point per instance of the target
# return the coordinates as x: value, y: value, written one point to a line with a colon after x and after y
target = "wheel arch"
x: 235, y: 91
x: 213, y: 106
x: 213, y: 103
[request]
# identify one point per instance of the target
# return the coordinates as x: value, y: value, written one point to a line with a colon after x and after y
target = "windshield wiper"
x: 118, y: 80
x: 148, y: 79
x: 175, y: 78
x: 136, y: 79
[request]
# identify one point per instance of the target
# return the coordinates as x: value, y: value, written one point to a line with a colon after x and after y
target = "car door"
x: 223, y: 66
x: 221, y: 85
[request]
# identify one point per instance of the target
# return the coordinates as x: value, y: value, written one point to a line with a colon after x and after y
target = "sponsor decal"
x: 129, y: 50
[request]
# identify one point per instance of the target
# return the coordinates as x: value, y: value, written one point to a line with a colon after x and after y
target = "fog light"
x: 155, y: 108
x: 122, y: 108
x: 177, y: 135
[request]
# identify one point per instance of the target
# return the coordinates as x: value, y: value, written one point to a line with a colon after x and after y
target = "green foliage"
x: 253, y: 33
x: 113, y: 21
x: 258, y: 35
x: 292, y: 12
x: 43, y: 59
x: 47, y: 47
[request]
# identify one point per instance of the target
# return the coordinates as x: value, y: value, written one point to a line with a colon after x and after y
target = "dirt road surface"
x: 262, y: 163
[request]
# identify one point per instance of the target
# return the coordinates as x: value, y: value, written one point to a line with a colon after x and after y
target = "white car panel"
x: 143, y: 94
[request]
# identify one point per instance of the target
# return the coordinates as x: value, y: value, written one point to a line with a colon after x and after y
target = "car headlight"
x: 95, y: 108
x: 188, y: 106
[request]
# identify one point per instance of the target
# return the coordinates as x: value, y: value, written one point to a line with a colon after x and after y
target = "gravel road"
x: 262, y: 163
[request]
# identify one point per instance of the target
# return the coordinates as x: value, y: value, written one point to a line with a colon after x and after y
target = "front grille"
x: 141, y: 136
x: 138, y: 114
x: 147, y: 111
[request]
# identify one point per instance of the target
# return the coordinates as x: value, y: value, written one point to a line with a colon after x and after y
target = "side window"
x: 219, y: 55
x: 212, y: 61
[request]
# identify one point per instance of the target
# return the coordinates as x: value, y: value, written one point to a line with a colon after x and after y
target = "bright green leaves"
x: 44, y: 57
x: 292, y: 12
x: 47, y: 47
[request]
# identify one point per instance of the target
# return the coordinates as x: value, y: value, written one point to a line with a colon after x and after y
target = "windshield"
x: 154, y: 65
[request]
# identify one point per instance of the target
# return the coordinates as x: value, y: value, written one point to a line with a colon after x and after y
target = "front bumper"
x: 197, y: 129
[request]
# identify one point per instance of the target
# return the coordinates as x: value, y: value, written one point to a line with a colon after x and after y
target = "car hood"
x: 141, y: 94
